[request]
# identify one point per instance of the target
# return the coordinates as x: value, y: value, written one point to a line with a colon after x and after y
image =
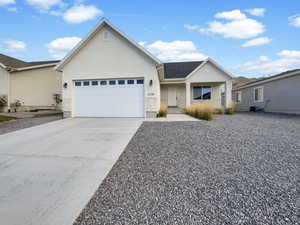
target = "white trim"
x: 84, y: 41
x: 268, y: 80
x: 262, y: 94
x: 212, y: 62
x: 3, y: 66
x: 33, y: 67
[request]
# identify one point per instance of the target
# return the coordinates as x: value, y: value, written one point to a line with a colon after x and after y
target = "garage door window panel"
x: 77, y: 83
x: 130, y: 81
x: 103, y: 82
x: 112, y: 82
x: 86, y: 83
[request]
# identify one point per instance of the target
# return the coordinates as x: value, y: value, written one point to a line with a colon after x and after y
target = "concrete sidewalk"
x: 49, y: 172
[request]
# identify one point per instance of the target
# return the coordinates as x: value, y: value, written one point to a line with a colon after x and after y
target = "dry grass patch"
x: 203, y: 111
x: 6, y: 118
x: 163, y: 110
x: 231, y: 109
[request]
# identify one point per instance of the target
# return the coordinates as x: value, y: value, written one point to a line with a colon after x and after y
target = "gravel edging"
x: 15, y: 125
x: 241, y: 169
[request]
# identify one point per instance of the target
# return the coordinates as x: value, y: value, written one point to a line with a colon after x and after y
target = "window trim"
x: 211, y: 90
x: 237, y: 101
x: 262, y: 94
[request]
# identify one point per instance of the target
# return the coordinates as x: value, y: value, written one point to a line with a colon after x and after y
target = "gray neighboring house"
x: 278, y: 94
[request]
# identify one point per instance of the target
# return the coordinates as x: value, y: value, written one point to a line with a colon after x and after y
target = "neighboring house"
x: 109, y: 75
x: 32, y: 84
x: 279, y: 94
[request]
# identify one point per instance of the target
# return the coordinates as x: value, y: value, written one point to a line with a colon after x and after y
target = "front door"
x: 172, y: 97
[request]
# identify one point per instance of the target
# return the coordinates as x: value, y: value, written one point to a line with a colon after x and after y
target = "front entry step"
x: 175, y: 110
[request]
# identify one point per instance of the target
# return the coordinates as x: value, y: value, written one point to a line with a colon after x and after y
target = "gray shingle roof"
x: 267, y: 78
x: 16, y: 63
x: 180, y: 69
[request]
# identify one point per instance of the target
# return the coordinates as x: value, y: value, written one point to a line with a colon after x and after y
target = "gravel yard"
x: 241, y: 169
x: 10, y: 126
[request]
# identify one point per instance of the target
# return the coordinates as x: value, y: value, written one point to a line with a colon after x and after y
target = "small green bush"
x: 162, y: 111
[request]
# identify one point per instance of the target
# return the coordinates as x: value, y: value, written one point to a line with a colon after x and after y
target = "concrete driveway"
x: 48, y: 173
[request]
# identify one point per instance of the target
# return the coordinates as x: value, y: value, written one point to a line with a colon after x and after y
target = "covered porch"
x: 179, y: 95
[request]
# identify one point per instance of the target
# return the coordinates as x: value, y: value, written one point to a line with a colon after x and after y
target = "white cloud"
x: 231, y: 15
x: 59, y: 47
x: 13, y: 46
x: 192, y: 27
x: 264, y: 58
x: 295, y: 20
x: 46, y: 5
x: 175, y: 51
x: 287, y: 60
x: 13, y: 9
x: 7, y: 2
x: 289, y: 53
x: 142, y: 43
x: 256, y: 11
x: 238, y: 26
x: 257, y: 42
x: 81, y: 13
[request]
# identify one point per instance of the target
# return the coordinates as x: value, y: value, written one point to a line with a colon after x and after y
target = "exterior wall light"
x: 65, y: 85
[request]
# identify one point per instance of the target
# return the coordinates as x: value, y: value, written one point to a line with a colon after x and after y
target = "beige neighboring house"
x: 108, y: 74
x: 31, y: 84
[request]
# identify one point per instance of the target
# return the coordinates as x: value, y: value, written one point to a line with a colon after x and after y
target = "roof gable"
x: 84, y: 41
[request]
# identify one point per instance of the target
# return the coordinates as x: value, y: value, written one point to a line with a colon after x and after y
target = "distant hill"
x: 239, y: 81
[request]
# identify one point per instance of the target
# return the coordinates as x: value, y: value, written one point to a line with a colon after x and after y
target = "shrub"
x: 162, y: 110
x: 220, y: 111
x: 231, y: 109
x: 202, y: 111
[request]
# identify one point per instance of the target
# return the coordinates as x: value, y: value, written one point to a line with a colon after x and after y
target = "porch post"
x: 187, y: 94
x: 228, y: 90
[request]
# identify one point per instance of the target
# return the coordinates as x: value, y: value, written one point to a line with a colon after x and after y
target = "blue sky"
x: 250, y: 38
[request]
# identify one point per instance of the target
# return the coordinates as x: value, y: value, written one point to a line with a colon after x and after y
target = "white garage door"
x: 109, y: 98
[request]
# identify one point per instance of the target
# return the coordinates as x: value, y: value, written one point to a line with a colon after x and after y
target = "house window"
x: 94, y: 83
x: 77, y: 83
x: 112, y: 82
x: 86, y: 83
x: 259, y: 94
x: 121, y: 82
x: 202, y: 93
x: 130, y: 81
x: 140, y: 81
x: 103, y: 82
x: 238, y: 97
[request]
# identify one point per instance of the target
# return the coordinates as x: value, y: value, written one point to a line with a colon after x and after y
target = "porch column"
x: 228, y: 90
x: 187, y: 94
